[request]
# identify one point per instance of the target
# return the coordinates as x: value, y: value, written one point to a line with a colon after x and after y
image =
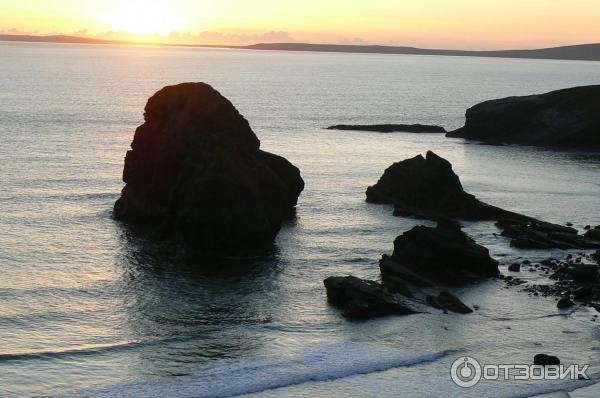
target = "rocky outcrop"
x: 443, y: 255
x: 540, y: 235
x: 196, y: 173
x: 427, y: 187
x: 390, y: 128
x: 359, y: 298
x: 567, y: 118
x: 593, y: 233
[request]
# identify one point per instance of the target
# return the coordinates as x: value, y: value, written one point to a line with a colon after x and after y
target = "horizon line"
x: 563, y: 52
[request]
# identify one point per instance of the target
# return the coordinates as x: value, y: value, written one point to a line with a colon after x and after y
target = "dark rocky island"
x: 563, y: 118
x: 196, y: 174
x: 443, y: 255
x: 390, y: 128
x: 427, y: 187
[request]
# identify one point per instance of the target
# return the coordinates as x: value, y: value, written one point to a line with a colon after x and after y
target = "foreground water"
x: 89, y: 308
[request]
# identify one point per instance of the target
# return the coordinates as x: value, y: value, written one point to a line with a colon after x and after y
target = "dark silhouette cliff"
x: 566, y: 118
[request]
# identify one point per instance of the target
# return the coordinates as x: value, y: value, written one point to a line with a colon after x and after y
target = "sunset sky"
x: 469, y: 24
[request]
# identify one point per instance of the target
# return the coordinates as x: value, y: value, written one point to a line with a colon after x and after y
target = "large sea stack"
x: 566, y: 118
x: 196, y: 173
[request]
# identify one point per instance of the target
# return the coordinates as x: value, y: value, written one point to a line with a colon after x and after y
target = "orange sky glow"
x: 468, y: 24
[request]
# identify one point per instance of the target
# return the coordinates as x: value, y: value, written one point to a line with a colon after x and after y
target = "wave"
x: 97, y: 349
x: 58, y: 354
x: 323, y: 363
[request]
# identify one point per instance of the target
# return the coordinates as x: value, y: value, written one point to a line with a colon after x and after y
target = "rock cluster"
x: 423, y: 257
x: 196, y: 173
x: 576, y: 279
x: 541, y: 235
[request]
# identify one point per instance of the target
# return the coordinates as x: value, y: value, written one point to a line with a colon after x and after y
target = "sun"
x: 144, y: 18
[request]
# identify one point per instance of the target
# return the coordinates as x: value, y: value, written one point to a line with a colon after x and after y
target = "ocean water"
x: 90, y: 308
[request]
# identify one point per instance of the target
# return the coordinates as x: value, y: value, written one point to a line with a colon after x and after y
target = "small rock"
x: 546, y: 360
x: 516, y: 267
x: 564, y: 302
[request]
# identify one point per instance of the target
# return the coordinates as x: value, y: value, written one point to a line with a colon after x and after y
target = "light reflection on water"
x: 86, y: 301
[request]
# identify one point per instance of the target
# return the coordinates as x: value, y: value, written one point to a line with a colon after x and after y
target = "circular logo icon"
x: 466, y: 372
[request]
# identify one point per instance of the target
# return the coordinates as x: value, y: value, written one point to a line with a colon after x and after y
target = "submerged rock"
x: 568, y: 118
x: 516, y: 267
x: 390, y: 128
x: 565, y: 302
x: 359, y: 298
x: 196, y: 172
x: 448, y: 302
x: 444, y: 255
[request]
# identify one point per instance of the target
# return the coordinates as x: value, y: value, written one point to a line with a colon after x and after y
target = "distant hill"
x: 57, y: 39
x: 582, y: 52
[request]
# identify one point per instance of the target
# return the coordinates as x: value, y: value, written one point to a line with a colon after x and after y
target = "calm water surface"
x: 90, y: 308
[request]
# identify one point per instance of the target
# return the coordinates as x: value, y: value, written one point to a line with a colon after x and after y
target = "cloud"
x: 354, y: 41
x: 14, y: 31
x: 209, y: 37
x: 206, y: 37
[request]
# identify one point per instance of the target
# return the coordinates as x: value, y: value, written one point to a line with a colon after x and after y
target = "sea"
x: 91, y: 308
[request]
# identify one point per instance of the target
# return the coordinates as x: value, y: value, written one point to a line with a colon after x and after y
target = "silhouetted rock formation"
x: 427, y: 187
x: 444, y: 255
x: 568, y: 118
x: 196, y: 172
x: 390, y: 128
x: 364, y: 299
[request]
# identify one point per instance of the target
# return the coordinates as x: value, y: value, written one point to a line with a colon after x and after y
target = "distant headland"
x: 581, y: 52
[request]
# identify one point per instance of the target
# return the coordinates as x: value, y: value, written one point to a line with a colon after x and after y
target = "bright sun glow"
x: 144, y: 18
